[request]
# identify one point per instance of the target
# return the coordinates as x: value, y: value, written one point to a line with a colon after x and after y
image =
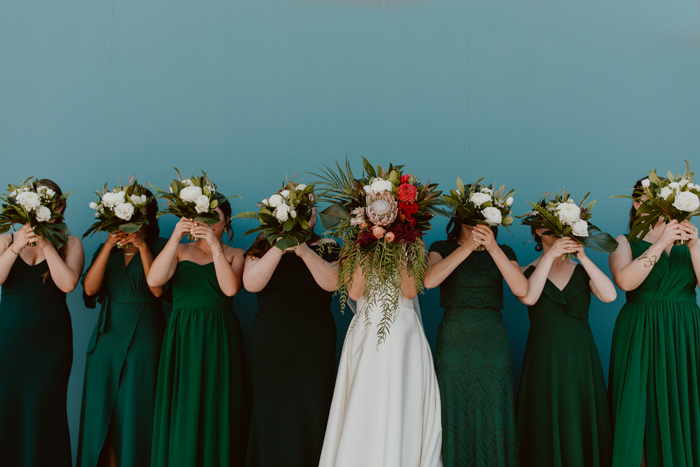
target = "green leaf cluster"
x: 468, y: 213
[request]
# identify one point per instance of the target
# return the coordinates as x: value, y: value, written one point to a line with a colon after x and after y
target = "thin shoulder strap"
x: 12, y: 238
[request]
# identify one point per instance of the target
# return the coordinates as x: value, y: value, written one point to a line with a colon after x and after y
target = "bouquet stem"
x: 679, y: 242
x: 124, y: 246
x: 480, y: 248
x: 31, y: 244
x: 570, y: 256
x: 191, y: 238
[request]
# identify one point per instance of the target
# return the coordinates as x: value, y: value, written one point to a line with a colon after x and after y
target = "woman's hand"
x: 182, y: 228
x: 112, y: 240
x: 672, y: 231
x: 205, y: 232
x: 136, y: 239
x: 691, y: 232
x: 300, y: 250
x: 483, y: 235
x: 38, y: 240
x: 563, y: 246
x: 22, y: 238
x: 471, y: 244
x: 580, y: 251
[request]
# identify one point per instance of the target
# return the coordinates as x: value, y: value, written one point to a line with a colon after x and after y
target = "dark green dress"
x: 473, y: 364
x: 655, y: 367
x: 36, y: 354
x: 122, y: 364
x: 293, y: 368
x: 562, y: 410
x: 199, y: 415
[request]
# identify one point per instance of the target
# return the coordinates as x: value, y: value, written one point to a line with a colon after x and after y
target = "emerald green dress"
x: 655, y: 367
x: 121, y: 368
x: 36, y: 354
x: 562, y: 410
x: 199, y: 415
x: 292, y: 366
x: 473, y: 364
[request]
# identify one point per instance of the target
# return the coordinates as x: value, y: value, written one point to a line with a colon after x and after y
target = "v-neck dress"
x: 562, y: 408
x: 121, y: 368
x: 655, y: 366
x: 36, y: 354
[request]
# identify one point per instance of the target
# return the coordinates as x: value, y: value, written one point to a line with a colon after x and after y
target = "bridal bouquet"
x: 564, y: 217
x: 664, y: 198
x: 123, y: 208
x: 284, y: 216
x: 380, y: 219
x: 479, y: 204
x: 192, y: 198
x: 30, y: 203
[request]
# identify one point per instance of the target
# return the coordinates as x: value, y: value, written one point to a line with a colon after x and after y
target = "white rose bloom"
x: 646, y: 183
x: 665, y: 192
x: 93, y: 205
x: 300, y: 187
x: 124, y: 211
x: 139, y: 200
x: 202, y: 204
x: 580, y: 228
x: 97, y: 214
x: 368, y: 189
x: 493, y: 216
x: 265, y: 202
x: 674, y: 185
x: 380, y: 185
x: 479, y: 198
x: 293, y: 214
x: 686, y: 201
x: 186, y: 182
x: 285, y: 193
x: 43, y: 214
x: 282, y: 212
x: 112, y: 199
x: 46, y: 192
x: 568, y: 213
x: 29, y: 200
x: 275, y: 200
x: 190, y: 193
x: 509, y: 201
x: 486, y: 190
x: 684, y: 182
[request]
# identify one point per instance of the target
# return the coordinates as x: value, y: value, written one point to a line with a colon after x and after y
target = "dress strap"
x: 12, y: 239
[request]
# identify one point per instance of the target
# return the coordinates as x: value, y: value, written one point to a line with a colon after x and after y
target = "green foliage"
x: 464, y: 210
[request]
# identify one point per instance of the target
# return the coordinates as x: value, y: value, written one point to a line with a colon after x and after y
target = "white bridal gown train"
x: 386, y: 403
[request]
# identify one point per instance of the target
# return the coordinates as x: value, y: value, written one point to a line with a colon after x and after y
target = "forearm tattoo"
x: 649, y: 261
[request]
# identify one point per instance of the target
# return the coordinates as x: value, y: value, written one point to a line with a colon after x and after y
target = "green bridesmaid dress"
x: 121, y: 370
x: 200, y: 400
x: 292, y: 347
x: 562, y: 409
x: 655, y: 367
x: 473, y: 364
x: 36, y: 354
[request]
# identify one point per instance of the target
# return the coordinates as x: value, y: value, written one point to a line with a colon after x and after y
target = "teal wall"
x: 532, y: 93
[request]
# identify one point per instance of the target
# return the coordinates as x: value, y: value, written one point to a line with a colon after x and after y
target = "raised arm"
x: 601, y: 285
x: 139, y: 242
x: 440, y: 268
x: 228, y: 263
x: 258, y: 271
x: 510, y: 270
x: 164, y: 265
x: 693, y: 245
x: 10, y: 250
x: 95, y: 275
x: 538, y: 279
x: 64, y: 273
x: 325, y: 273
x: 357, y: 288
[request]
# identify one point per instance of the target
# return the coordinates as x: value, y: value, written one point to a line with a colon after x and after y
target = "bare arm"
x: 440, y: 268
x: 601, y: 285
x: 538, y: 279
x: 95, y: 275
x: 357, y: 288
x: 164, y: 265
x: 258, y: 271
x: 325, y: 273
x: 510, y: 270
x: 65, y: 274
x: 8, y: 256
x: 693, y: 246
x: 408, y: 283
x: 228, y: 262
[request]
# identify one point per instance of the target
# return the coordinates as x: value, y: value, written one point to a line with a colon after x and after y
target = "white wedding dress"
x: 386, y: 403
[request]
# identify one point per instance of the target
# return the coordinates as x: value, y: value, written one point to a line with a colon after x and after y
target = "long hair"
x: 63, y: 251
x: 537, y: 238
x: 454, y: 229
x: 633, y: 210
x: 225, y: 207
x: 152, y: 228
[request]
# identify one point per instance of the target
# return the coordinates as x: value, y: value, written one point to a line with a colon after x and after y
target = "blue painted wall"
x: 532, y: 93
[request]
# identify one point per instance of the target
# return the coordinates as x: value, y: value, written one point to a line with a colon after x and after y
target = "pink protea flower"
x: 381, y: 208
x: 378, y: 232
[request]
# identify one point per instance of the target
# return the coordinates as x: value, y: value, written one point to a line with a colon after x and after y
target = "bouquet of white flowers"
x: 123, y: 208
x: 479, y: 204
x: 564, y: 217
x: 664, y: 198
x: 193, y: 198
x: 33, y: 204
x: 284, y: 216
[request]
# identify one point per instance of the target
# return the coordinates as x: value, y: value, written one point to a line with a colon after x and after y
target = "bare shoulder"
x: 232, y: 253
x: 5, y: 239
x: 74, y: 242
x: 622, y: 239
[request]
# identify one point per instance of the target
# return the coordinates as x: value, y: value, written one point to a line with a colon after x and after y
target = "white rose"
x: 686, y: 201
x: 46, y: 192
x: 93, y: 205
x: 293, y: 214
x: 380, y: 185
x: 138, y: 200
x: 646, y: 183
x: 16, y: 193
x: 674, y: 185
x: 493, y: 216
x: 282, y: 212
x: 43, y: 214
x: 265, y: 202
x: 201, y: 204
x: 190, y: 193
x: 665, y: 192
x: 486, y: 190
x: 580, y: 228
x: 285, y: 193
x: 300, y: 187
x: 113, y: 199
x: 509, y: 201
x: 479, y: 198
x: 29, y: 200
x: 684, y: 182
x: 124, y: 211
x: 186, y: 182
x: 568, y: 213
x: 275, y: 200
x: 368, y: 189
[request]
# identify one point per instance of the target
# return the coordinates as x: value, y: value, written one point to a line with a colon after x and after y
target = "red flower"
x: 404, y: 233
x: 414, y: 208
x: 404, y: 178
x: 413, y: 222
x: 407, y: 192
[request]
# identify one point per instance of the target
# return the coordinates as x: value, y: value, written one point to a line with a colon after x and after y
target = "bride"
x: 386, y: 403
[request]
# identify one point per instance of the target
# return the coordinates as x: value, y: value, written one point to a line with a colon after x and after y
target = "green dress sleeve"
x: 440, y: 247
x: 510, y: 254
x: 91, y: 301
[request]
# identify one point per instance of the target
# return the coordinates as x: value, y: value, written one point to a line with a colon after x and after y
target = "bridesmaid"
x: 36, y: 346
x: 116, y: 424
x: 655, y: 355
x: 199, y: 415
x: 562, y: 409
x: 292, y: 351
x: 472, y: 354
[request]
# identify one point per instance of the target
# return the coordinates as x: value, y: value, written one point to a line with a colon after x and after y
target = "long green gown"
x: 562, y: 409
x: 293, y: 368
x: 121, y: 370
x: 200, y: 417
x: 655, y: 367
x: 473, y: 364
x: 36, y: 354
